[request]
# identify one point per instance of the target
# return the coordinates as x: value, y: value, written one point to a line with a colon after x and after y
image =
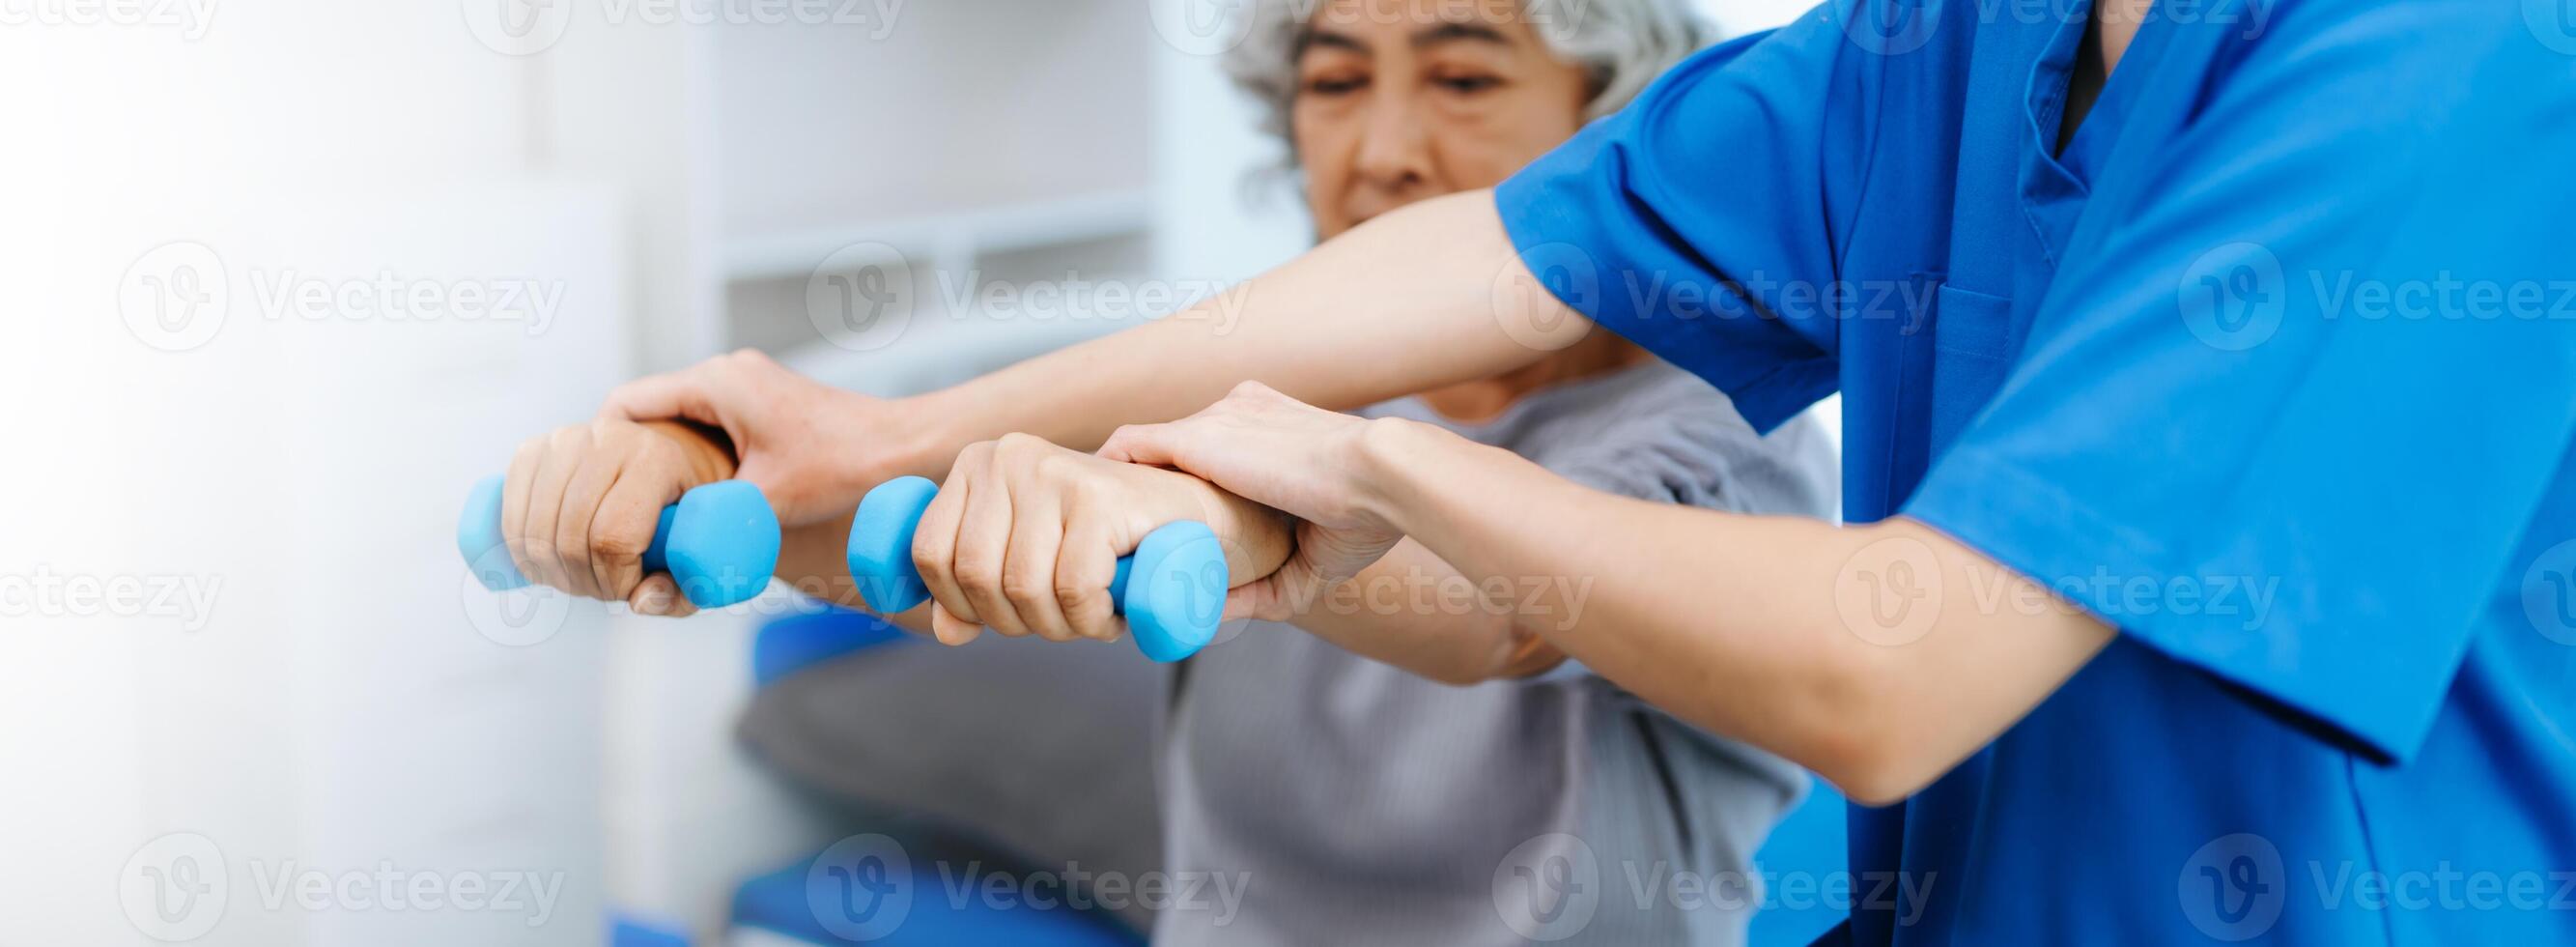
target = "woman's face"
x: 1402, y: 100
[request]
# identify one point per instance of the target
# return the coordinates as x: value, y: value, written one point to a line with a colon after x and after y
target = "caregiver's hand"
x: 1025, y: 536
x: 1292, y: 457
x: 814, y: 450
x: 580, y: 504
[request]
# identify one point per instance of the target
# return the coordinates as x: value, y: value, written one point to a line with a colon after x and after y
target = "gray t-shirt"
x: 1356, y: 803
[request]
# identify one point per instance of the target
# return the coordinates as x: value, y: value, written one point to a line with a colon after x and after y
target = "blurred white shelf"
x: 938, y: 350
x: 975, y: 231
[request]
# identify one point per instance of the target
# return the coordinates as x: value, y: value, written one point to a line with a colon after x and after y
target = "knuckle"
x: 976, y: 572
x: 1023, y: 589
x: 932, y: 559
x: 1074, y: 597
x: 618, y: 544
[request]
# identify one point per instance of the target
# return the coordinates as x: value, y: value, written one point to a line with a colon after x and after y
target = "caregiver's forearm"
x: 1416, y: 612
x: 1426, y: 296
x: 1763, y: 628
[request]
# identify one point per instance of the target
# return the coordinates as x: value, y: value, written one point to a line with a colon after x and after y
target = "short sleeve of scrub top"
x: 2300, y: 342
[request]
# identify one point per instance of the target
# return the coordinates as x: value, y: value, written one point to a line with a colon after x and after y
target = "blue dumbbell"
x: 1173, y: 610
x: 720, y: 542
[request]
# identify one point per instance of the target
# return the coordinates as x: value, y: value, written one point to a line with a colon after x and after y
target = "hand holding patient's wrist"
x: 1386, y: 452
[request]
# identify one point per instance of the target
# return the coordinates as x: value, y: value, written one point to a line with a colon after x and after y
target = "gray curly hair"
x: 1625, y: 44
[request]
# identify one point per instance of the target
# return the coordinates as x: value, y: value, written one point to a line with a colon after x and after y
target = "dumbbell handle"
x: 719, y: 543
x: 1171, y: 590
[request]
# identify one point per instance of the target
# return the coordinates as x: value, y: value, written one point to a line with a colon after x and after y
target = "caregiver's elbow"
x: 1882, y: 778
x: 1871, y: 746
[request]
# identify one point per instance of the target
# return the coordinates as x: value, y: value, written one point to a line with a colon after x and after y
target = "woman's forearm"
x: 814, y: 561
x: 1866, y: 653
x: 1444, y: 299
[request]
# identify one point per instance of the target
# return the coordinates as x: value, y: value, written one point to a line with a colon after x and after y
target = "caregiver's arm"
x: 1417, y: 612
x: 1878, y: 656
x: 1422, y: 297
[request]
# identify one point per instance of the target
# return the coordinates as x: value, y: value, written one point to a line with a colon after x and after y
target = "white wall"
x: 324, y: 703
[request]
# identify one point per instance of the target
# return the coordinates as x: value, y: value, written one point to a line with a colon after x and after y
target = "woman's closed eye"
x: 1335, y: 84
x: 1467, y: 83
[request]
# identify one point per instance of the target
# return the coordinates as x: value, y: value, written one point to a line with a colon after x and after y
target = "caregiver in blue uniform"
x: 2209, y: 381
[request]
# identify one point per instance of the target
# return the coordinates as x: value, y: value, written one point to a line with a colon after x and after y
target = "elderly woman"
x: 1367, y: 795
x: 1418, y: 765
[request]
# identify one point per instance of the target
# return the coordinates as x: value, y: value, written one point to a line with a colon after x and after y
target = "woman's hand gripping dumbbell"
x: 1033, y: 539
x: 579, y: 518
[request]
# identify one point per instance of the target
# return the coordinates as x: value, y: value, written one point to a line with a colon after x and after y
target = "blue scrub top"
x: 2273, y: 368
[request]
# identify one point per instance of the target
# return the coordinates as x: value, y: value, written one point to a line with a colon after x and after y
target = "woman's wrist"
x: 1391, y: 454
